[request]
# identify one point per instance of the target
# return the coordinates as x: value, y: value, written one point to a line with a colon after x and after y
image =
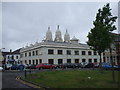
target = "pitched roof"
x: 16, y: 51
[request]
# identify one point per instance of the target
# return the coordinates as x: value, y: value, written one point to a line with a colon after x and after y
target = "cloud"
x: 28, y: 22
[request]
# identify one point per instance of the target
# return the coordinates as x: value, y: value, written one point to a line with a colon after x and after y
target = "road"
x: 9, y: 80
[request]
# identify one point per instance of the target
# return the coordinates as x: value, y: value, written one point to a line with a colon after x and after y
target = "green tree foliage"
x: 100, y: 36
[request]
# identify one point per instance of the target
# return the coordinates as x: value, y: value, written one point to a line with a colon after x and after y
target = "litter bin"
x: 21, y: 68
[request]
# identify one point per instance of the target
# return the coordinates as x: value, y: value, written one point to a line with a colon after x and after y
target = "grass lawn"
x: 75, y: 79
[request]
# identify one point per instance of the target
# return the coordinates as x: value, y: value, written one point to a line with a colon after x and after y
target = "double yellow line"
x: 29, y: 84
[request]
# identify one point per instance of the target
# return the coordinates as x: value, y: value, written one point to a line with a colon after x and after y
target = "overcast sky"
x: 26, y: 23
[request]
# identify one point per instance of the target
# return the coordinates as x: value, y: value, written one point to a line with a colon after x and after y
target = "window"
x: 95, y: 53
x: 25, y: 54
x: 68, y: 60
x: 29, y: 53
x: 89, y: 53
x: 68, y: 52
x: 25, y: 61
x: 8, y: 57
x: 21, y: 62
x: 59, y: 51
x: 83, y: 60
x: 76, y: 52
x: 95, y: 60
x: 36, y: 61
x: 50, y: 51
x: 36, y: 52
x: 16, y: 57
x: 40, y: 60
x: 12, y: 57
x: 33, y: 53
x: 50, y: 61
x: 83, y: 52
x: 60, y: 61
x: 76, y: 60
x: 90, y: 60
x: 33, y: 62
x: 29, y: 61
x: 104, y: 59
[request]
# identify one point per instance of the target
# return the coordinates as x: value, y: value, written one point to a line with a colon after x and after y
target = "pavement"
x: 10, y: 81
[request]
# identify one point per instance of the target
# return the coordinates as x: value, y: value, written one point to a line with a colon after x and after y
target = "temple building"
x: 58, y: 50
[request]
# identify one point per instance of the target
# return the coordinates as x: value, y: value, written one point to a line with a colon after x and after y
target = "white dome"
x: 74, y: 39
x: 48, y: 35
x: 58, y: 36
x: 66, y: 37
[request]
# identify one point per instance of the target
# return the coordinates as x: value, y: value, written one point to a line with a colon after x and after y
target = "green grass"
x: 74, y: 79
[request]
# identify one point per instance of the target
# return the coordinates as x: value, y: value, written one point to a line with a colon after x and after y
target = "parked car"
x: 21, y: 66
x: 31, y: 66
x: 59, y: 65
x: 78, y: 65
x: 45, y: 66
x: 8, y: 66
x: 14, y: 67
x: 89, y: 65
x: 17, y: 67
x: 96, y: 65
x: 1, y: 68
x: 83, y: 64
x: 117, y: 67
x: 68, y: 65
x: 108, y: 66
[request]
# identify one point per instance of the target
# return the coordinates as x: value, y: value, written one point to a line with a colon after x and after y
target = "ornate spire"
x: 58, y: 27
x: 48, y: 35
x: 49, y: 28
x: 66, y: 37
x: 58, y: 37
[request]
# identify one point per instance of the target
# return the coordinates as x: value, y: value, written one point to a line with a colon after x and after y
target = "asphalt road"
x: 9, y: 80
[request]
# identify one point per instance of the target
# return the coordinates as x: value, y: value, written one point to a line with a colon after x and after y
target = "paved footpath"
x: 9, y: 80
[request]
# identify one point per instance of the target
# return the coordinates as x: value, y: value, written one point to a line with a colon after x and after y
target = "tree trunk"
x: 111, y: 59
x: 100, y: 64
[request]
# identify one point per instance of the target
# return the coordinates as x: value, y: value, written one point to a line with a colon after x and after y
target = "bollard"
x: 25, y: 74
x: 30, y: 70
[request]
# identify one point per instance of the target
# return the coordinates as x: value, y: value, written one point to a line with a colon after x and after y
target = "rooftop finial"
x: 66, y: 30
x: 58, y: 26
x: 49, y: 28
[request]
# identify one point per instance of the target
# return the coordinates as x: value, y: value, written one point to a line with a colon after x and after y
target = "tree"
x: 100, y: 37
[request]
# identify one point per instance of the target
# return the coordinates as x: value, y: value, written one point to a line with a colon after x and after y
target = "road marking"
x: 29, y: 84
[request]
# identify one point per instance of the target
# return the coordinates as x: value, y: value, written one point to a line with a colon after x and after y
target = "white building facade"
x: 58, y: 51
x: 13, y: 57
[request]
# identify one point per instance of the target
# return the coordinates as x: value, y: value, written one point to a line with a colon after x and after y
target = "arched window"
x: 12, y: 57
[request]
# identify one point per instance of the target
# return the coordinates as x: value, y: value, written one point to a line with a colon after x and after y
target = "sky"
x: 24, y: 23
